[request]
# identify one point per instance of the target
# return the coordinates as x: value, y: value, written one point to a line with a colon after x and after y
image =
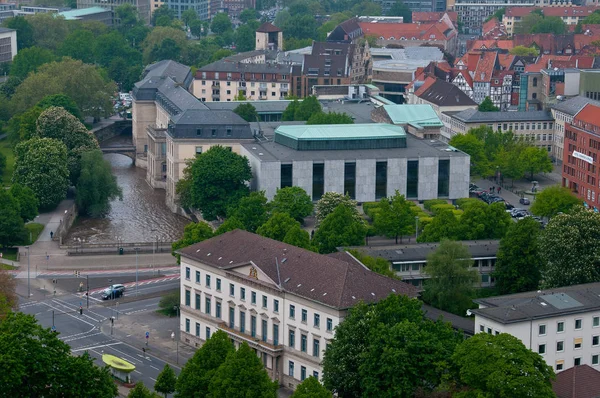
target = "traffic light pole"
x: 87, y: 294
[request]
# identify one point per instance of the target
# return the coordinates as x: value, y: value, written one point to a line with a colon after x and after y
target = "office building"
x: 8, y: 44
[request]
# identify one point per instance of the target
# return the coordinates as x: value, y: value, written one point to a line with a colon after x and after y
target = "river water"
x: 141, y: 216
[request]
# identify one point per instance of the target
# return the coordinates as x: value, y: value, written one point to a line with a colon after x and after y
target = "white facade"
x: 563, y: 341
x: 8, y: 44
x: 289, y: 332
x: 560, y: 121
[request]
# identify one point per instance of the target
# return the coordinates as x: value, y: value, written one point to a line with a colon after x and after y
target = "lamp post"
x: 176, y: 308
x: 417, y: 227
x: 28, y: 281
x: 136, y: 271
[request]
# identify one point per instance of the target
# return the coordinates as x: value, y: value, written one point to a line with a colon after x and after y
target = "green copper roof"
x: 341, y: 131
x: 74, y: 14
x: 419, y: 116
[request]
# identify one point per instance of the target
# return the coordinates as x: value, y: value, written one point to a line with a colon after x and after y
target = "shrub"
x: 465, y: 202
x: 428, y: 204
x: 435, y: 209
x: 168, y: 303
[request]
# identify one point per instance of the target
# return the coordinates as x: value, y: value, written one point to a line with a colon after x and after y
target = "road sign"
x: 147, y: 335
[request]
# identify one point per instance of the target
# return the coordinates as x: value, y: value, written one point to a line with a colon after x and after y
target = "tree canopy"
x: 395, y: 217
x: 554, y: 200
x: 330, y: 201
x: 330, y: 118
x: 166, y: 380
x: 12, y: 230
x: 96, y: 185
x: 277, y: 226
x: 293, y: 201
x: 247, y: 111
x: 488, y: 106
x: 193, y: 233
x: 524, y: 51
x: 29, y: 60
x: 251, y: 211
x: 311, y: 388
x: 340, y: 228
x: 26, y: 201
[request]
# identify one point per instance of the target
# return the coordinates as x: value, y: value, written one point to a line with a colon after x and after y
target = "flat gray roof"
x: 273, y: 152
x: 548, y: 303
x: 475, y: 116
x: 261, y: 106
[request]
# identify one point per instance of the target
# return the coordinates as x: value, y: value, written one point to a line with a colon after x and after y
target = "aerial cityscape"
x: 293, y: 198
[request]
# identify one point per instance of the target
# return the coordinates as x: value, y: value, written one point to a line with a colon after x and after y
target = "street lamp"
x: 176, y: 308
x: 417, y: 227
x: 28, y: 282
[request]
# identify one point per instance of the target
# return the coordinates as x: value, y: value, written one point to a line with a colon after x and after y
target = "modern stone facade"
x: 8, y: 44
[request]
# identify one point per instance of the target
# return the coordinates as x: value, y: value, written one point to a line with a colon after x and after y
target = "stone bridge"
x: 114, y: 136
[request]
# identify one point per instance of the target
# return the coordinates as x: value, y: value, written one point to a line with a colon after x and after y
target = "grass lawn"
x: 7, y: 151
x: 34, y: 230
x: 9, y: 254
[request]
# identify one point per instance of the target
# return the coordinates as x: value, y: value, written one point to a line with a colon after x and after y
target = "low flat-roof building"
x: 99, y: 14
x: 409, y: 260
x: 268, y: 111
x: 560, y: 324
x: 418, y: 120
x: 8, y: 44
x: 366, y: 161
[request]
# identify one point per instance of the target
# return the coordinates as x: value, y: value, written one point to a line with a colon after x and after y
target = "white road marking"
x: 68, y: 314
x: 137, y: 371
x: 152, y: 378
x: 96, y: 347
x: 154, y: 367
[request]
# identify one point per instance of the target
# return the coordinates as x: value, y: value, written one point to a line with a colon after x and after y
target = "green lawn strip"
x: 34, y: 230
x: 9, y: 254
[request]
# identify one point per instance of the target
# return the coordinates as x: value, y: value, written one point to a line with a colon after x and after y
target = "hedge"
x: 428, y: 204
x: 435, y: 209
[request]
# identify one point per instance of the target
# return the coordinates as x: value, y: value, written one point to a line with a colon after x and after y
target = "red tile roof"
x: 324, y: 279
x: 505, y: 60
x: 426, y: 84
x: 577, y: 382
x: 268, y: 27
x: 420, y: 31
x: 589, y: 114
x: 489, y: 44
x: 466, y: 75
x: 434, y: 16
x: 571, y: 11
x: 485, y: 67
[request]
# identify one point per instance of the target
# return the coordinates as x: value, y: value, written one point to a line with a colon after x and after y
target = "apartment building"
x: 7, y: 10
x: 409, y: 261
x: 580, y: 157
x: 283, y: 301
x: 563, y: 113
x: 534, y: 126
x: 569, y: 15
x: 227, y: 80
x: 142, y: 6
x: 562, y: 324
x: 473, y: 13
x: 180, y: 6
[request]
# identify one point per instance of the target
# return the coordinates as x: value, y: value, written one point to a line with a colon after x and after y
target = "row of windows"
x: 577, y: 361
x: 560, y: 325
x: 577, y: 344
x: 187, y: 328
x: 291, y: 368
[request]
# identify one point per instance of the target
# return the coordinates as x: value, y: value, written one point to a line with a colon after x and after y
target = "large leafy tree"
x: 536, y: 160
x: 79, y: 44
x: 159, y: 34
x: 579, y: 231
x: 488, y: 106
x: 395, y: 217
x: 197, y: 373
x: 12, y: 230
x: 519, y: 264
x: 277, y: 226
x: 27, y: 203
x: 482, y: 221
x: 452, y: 279
x: 141, y: 391
x: 29, y: 60
x: 24, y: 31
x: 501, y: 366
x: 85, y: 84
x: 37, y: 363
x: 218, y: 180
x: 62, y: 101
x: 166, y: 380
x: 49, y: 31
x: 193, y: 233
x: 330, y: 201
x: 307, y: 108
x: 339, y: 228
x: 96, y: 185
x: 330, y: 118
x: 245, y: 38
x: 251, y: 211
x: 554, y: 200
x: 298, y: 237
x: 399, y: 9
x: 311, y: 388
x: 242, y: 375
x: 443, y: 226
x: 41, y: 164
x: 247, y: 111
x: 469, y: 144
x: 220, y: 24
x: 293, y: 201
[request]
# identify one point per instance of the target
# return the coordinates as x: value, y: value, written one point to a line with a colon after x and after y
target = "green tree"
x: 166, y: 380
x: 230, y: 224
x: 42, y: 365
x: 501, y: 366
x: 141, y: 391
x: 9, y: 301
x: 96, y: 185
x: 379, y: 264
x: 399, y: 9
x: 220, y: 24
x: 167, y: 49
x: 79, y: 44
x: 22, y: 127
x: 519, y: 264
x: 330, y: 201
x: 443, y: 226
x: 218, y: 179
x: 296, y: 236
x: 339, y: 228
x: 193, y: 233
x: 153, y: 42
x: 247, y: 111
x: 553, y: 200
x: 2, y: 164
x: 483, y: 221
x: 554, y: 25
x: 29, y: 60
x: 579, y: 231
x: 300, y: 27
x: 49, y: 31
x: 62, y: 101
x: 163, y: 12
x: 293, y: 201
x: 12, y: 230
x: 196, y: 375
x: 198, y: 28
x: 592, y: 19
x: 249, y: 14
x: 24, y: 31
x: 290, y: 111
x: 242, y: 375
x: 536, y: 160
x: 27, y: 203
x: 472, y: 146
x: 330, y: 118
x: 527, y: 23
x: 452, y: 277
x: 488, y: 106
x: 128, y: 17
x: 308, y: 107
x: 41, y: 164
x: 245, y: 38
x: 311, y: 388
x: 277, y: 226
x: 251, y: 211
x: 85, y: 84
x: 524, y: 51
x: 188, y: 16
x: 499, y: 15
x: 395, y: 217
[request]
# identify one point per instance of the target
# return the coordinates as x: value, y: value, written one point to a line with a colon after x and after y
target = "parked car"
x: 524, y: 201
x: 509, y: 207
x: 113, y: 292
x: 473, y: 187
x: 494, y: 199
x: 477, y: 192
x: 516, y: 213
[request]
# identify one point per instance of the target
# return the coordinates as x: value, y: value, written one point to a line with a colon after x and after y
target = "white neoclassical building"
x: 284, y: 301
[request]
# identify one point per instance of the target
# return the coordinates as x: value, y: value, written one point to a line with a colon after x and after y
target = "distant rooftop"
x: 262, y: 107
x: 574, y: 105
x: 475, y: 116
x: 418, y: 116
x: 78, y: 13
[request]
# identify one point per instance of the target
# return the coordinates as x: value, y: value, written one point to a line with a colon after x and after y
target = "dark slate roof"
x: 466, y: 325
x: 577, y: 382
x: 262, y: 107
x: 268, y: 27
x: 232, y: 66
x: 573, y: 105
x: 541, y: 304
x: 475, y: 116
x: 5, y: 30
x: 327, y: 280
x: 176, y: 71
x: 419, y: 251
x: 318, y: 57
x: 207, y: 116
x: 442, y: 93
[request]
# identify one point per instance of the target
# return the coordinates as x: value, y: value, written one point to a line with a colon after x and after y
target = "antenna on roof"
x: 278, y: 275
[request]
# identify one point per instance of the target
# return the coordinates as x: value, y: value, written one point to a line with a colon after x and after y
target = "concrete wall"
x: 333, y: 170
x: 270, y: 179
x: 396, y: 176
x: 144, y: 114
x: 302, y: 176
x: 365, y: 180
x: 428, y: 178
x: 459, y: 177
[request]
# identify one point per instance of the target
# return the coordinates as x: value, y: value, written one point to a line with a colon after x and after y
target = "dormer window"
x: 392, y: 38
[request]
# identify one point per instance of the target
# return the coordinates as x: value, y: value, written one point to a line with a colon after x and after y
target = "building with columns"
x: 366, y: 161
x: 283, y: 301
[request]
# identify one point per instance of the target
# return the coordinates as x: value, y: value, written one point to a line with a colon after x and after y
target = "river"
x: 141, y: 216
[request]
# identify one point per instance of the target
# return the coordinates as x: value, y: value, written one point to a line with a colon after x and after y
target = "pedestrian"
x: 490, y: 189
x: 499, y: 188
x: 51, y: 234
